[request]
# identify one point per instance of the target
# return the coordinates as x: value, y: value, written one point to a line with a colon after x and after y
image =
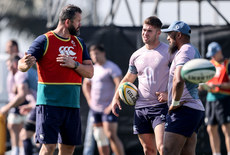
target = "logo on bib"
x: 67, y: 50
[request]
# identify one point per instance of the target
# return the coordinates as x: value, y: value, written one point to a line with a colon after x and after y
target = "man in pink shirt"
x: 150, y: 64
x: 99, y: 92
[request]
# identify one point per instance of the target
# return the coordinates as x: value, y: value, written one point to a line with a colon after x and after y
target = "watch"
x: 76, y: 64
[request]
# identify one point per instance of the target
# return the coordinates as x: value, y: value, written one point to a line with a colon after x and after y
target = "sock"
x: 28, y: 146
x: 21, y: 151
x: 216, y: 153
x: 228, y: 153
x: 15, y: 150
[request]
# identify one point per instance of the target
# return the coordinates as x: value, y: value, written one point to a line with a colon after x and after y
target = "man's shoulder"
x: 139, y: 51
x: 41, y: 38
x: 80, y: 39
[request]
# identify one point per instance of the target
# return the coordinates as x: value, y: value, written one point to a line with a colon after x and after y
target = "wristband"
x: 175, y: 103
x: 76, y: 64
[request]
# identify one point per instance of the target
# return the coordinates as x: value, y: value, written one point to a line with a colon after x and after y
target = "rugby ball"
x: 198, y: 71
x: 128, y: 93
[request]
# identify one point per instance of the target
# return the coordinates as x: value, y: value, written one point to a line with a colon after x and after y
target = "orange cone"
x: 2, y: 134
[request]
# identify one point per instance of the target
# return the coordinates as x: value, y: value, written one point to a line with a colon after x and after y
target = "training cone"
x: 2, y: 134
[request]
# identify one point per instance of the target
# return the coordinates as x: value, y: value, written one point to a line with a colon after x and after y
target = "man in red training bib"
x: 62, y: 60
x: 217, y: 105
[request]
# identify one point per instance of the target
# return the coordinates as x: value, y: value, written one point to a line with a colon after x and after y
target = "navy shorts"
x: 30, y: 123
x: 217, y: 112
x: 32, y: 115
x: 58, y: 125
x: 146, y: 119
x: 99, y: 117
x: 184, y: 121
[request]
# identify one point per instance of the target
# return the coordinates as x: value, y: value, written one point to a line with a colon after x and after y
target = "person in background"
x: 217, y: 100
x: 99, y: 92
x: 12, y: 47
x: 150, y: 64
x: 62, y: 60
x: 186, y: 111
x: 19, y: 92
x: 89, y: 141
x: 27, y: 132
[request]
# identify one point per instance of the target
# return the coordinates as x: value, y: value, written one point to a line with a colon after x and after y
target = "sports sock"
x: 28, y: 146
x: 216, y: 153
x: 21, y: 151
x: 15, y: 150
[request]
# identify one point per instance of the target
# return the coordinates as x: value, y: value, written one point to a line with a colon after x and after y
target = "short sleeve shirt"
x: 152, y: 69
x: 190, y: 93
x: 102, y: 85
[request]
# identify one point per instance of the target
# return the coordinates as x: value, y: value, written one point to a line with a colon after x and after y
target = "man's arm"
x: 34, y: 53
x: 178, y: 87
x: 22, y: 91
x: 224, y: 85
x: 129, y: 77
x: 116, y: 82
x: 86, y: 88
x: 85, y: 69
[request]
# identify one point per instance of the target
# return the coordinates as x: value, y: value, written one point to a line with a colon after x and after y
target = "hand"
x: 162, y: 96
x: 25, y: 109
x: 29, y: 59
x: 116, y: 103
x: 26, y: 62
x: 65, y: 61
x: 108, y: 109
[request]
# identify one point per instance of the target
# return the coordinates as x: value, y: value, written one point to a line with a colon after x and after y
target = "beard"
x: 173, y: 48
x: 73, y: 31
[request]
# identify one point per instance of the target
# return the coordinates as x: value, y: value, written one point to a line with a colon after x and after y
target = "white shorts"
x: 15, y: 118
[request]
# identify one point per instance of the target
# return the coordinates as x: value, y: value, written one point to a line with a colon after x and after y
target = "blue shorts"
x: 99, y: 117
x: 146, y: 119
x: 184, y: 121
x: 58, y: 125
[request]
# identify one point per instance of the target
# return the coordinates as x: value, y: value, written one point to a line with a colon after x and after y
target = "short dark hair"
x: 153, y: 21
x: 14, y: 42
x: 99, y: 47
x: 68, y: 12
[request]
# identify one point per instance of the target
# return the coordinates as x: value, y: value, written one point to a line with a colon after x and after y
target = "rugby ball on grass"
x: 128, y: 93
x: 198, y: 71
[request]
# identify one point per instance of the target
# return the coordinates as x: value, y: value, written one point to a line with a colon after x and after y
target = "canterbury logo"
x: 67, y: 50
